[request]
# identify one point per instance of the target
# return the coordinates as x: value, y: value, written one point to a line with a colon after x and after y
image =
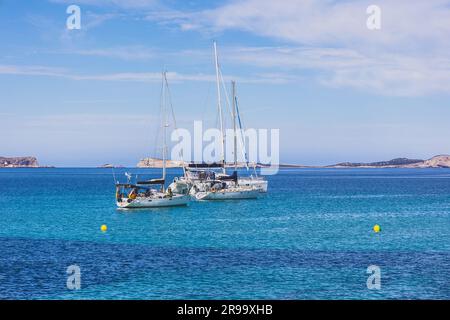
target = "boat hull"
x: 227, y: 195
x: 259, y: 184
x: 176, y: 200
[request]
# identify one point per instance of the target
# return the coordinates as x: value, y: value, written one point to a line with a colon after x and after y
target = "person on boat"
x: 169, y: 192
x: 133, y: 194
x: 119, y: 196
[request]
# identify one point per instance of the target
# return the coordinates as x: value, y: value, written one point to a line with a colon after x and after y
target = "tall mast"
x: 219, y: 107
x: 164, y: 80
x: 233, y: 86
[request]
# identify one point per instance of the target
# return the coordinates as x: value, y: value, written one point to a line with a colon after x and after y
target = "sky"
x: 336, y: 90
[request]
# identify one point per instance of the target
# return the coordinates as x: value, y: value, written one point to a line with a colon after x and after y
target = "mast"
x: 233, y: 86
x: 219, y: 107
x: 164, y: 127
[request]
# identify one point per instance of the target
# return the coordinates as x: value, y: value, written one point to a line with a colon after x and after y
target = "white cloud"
x: 408, y: 56
x: 324, y: 21
x: 391, y: 74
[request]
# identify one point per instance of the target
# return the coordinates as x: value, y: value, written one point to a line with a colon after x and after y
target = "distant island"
x: 440, y: 161
x: 19, y: 162
x: 158, y: 163
x: 108, y: 165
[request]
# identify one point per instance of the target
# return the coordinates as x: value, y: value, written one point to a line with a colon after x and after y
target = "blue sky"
x: 336, y: 90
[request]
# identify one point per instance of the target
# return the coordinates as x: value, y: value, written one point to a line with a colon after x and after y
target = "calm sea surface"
x: 310, y: 237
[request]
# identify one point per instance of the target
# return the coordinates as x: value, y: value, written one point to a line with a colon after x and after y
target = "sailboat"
x: 253, y: 180
x: 144, y: 194
x: 209, y: 185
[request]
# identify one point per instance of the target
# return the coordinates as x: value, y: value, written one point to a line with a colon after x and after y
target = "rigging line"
x: 173, y: 116
x: 228, y: 105
x: 114, y: 175
x: 226, y: 93
x: 242, y: 141
x: 219, y: 107
x: 155, y: 144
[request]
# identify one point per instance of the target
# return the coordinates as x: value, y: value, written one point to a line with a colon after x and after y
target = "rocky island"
x: 18, y: 162
x: 440, y: 161
x: 158, y: 163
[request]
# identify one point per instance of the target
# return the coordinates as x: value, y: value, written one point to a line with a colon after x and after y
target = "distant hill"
x: 391, y: 163
x: 108, y: 165
x: 440, y: 161
x: 158, y: 163
x: 18, y: 162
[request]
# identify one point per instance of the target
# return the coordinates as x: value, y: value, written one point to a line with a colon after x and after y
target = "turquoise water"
x: 310, y: 237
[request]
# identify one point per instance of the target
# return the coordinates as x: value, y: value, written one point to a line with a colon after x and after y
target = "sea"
x: 310, y: 237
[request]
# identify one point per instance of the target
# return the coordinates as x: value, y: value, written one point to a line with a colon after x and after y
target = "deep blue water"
x: 310, y: 237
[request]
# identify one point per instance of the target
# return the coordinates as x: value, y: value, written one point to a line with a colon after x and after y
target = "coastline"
x: 439, y: 161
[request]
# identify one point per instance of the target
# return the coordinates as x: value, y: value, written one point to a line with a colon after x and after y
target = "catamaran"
x: 144, y: 194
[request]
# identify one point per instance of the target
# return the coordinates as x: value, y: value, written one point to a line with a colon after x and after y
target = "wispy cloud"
x: 127, y: 4
x: 32, y: 70
x: 386, y: 73
x: 324, y: 22
x: 124, y: 53
x: 328, y: 39
x: 408, y: 56
x: 135, y: 76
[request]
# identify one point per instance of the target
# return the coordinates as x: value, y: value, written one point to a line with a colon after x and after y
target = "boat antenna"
x: 242, y: 141
x: 169, y: 95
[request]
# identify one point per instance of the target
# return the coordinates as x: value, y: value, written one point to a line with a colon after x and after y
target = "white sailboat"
x: 218, y: 186
x: 253, y: 180
x: 141, y: 194
x: 228, y: 193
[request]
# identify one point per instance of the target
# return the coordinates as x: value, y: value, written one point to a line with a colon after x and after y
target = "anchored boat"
x: 143, y: 194
x: 133, y: 196
x: 211, y: 181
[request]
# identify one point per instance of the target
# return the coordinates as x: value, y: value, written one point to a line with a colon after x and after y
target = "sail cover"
x: 152, y: 181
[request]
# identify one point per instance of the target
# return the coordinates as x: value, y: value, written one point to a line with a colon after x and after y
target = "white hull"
x: 227, y: 195
x: 152, y: 202
x: 259, y: 184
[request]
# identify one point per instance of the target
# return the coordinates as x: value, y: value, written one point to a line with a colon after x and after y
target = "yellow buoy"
x: 104, y: 227
x: 376, y: 228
